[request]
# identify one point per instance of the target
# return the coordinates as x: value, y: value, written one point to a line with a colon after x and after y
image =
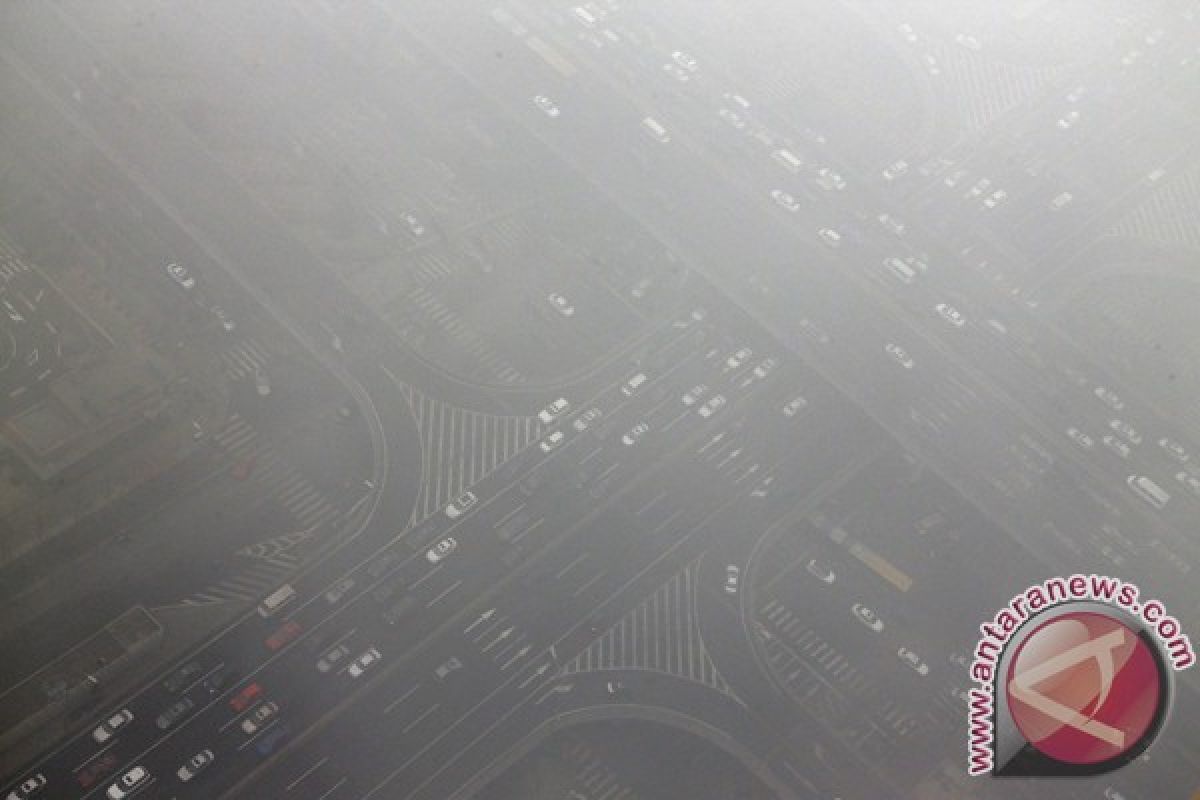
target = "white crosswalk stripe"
x: 1167, y: 215
x: 420, y: 300
x: 662, y: 634
x: 243, y: 359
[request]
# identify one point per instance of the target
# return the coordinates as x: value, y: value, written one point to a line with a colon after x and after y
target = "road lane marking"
x: 333, y: 788
x: 306, y: 773
x: 445, y: 592
x: 387, y: 709
x: 421, y: 718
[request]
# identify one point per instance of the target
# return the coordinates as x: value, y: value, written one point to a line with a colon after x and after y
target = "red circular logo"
x: 1084, y: 688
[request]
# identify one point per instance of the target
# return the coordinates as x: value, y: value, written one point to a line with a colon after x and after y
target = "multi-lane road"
x: 745, y: 445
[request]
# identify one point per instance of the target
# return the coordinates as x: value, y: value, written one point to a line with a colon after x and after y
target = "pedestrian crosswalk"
x: 1168, y: 215
x: 662, y: 633
x: 465, y: 338
x: 243, y: 359
x: 460, y: 447
x: 593, y: 779
x: 982, y: 88
x: 258, y: 578
x: 264, y: 466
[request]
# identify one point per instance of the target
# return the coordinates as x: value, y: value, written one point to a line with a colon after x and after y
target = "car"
x: 339, y: 590
x: 1126, y: 430
x: 226, y: 321
x: 794, y: 406
x: 1061, y: 201
x: 677, y: 72
x: 561, y: 304
x: 892, y: 224
x: 1080, y: 438
x: 269, y: 740
x: 399, y: 610
x: 1190, y: 480
x: 1117, y: 445
x: 900, y: 355
x: 449, y: 665
x: 638, y: 290
x: 546, y: 104
x: 614, y: 687
x: 195, y: 765
x: 552, y: 441
x: 248, y: 694
x: 1131, y: 57
x: 28, y: 788
x: 968, y: 41
x: 174, y: 712
x: 908, y: 32
x: 684, y: 60
x: 830, y: 237
x: 262, y: 384
x: 633, y: 384
x: 553, y: 411
x: 733, y: 118
x: 107, y: 729
x: 867, y: 617
x: 829, y: 180
x: 286, y: 633
x: 784, y: 200
x: 461, y: 505
x: 584, y: 420
x: 1174, y: 449
x: 264, y: 712
x: 738, y: 100
x: 950, y: 314
x: 895, y: 170
x: 954, y: 178
x: 182, y: 676
x: 732, y: 573
x: 981, y: 186
x: 821, y: 571
x: 127, y: 783
x: 737, y: 358
x: 414, y: 225
x: 218, y: 679
x: 764, y: 367
x: 181, y: 275
x: 694, y: 394
x: 363, y: 662
x: 931, y: 64
x: 1112, y: 794
x: 332, y: 657
x: 440, y: 550
x: 913, y: 660
x: 995, y: 198
x: 635, y: 433
x: 714, y: 404
x: 1068, y: 120
x: 1109, y: 398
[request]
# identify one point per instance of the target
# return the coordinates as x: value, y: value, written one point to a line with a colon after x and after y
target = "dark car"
x: 182, y: 676
x: 219, y: 678
x: 174, y: 712
x: 266, y: 745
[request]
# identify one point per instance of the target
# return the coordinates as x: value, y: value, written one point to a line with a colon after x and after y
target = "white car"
x: 1174, y: 449
x: 1190, y: 480
x: 1080, y: 438
x: 677, y: 72
x: 822, y: 572
x: 794, y: 406
x: 891, y: 224
x: 633, y: 384
x: 1117, y: 445
x: 913, y: 660
x: 684, y: 60
x: 1109, y: 398
x: 1126, y: 430
x: 908, y: 32
x: 733, y: 118
x: 181, y: 275
x: 813, y: 331
x: 449, y: 665
x: 128, y: 783
x: 194, y: 765
x: 1061, y: 201
x: 440, y: 550
x: 830, y: 237
x: 553, y: 411
x: 414, y: 224
x: 561, y: 304
x: 107, y: 729
x: 546, y: 105
x: 995, y: 198
x: 764, y: 368
x: 735, y: 360
x: 363, y: 663
x: 954, y: 178
x: 981, y: 186
x: 738, y: 100
x: 333, y: 657
x: 1068, y: 120
x: 694, y: 394
x: 635, y: 433
x: 950, y: 314
x: 714, y: 404
x: 867, y: 617
x: 461, y: 505
x: 254, y: 722
x: 732, y: 573
x: 895, y: 170
x: 968, y: 41
x: 28, y: 788
x: 550, y: 442
x: 785, y: 200
x: 584, y: 420
x: 829, y: 180
x: 900, y: 355
x: 931, y: 64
